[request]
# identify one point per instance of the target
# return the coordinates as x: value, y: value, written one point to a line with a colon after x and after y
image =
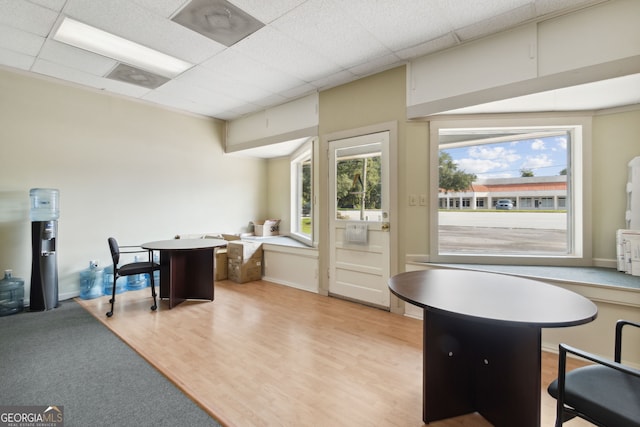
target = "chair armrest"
x: 618, y: 344
x: 564, y: 349
x: 138, y: 251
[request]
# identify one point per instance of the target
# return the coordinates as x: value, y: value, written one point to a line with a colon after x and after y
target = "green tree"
x: 563, y: 171
x: 450, y: 177
x: 526, y: 173
x: 350, y: 183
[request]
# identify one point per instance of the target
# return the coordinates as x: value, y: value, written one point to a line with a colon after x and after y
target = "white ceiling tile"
x: 267, y: 11
x: 324, y: 27
x: 20, y: 41
x: 398, y: 24
x: 500, y: 22
x: 221, y: 83
x: 242, y: 68
x: 78, y: 59
x: 55, y: 5
x: 169, y: 101
x: 14, y: 59
x: 27, y: 16
x: 197, y: 94
x: 166, y: 8
x: 475, y: 11
x: 271, y: 47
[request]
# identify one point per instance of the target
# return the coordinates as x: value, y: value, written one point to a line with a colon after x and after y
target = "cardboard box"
x: 242, y: 272
x: 220, y: 266
x: 242, y: 250
x: 268, y: 227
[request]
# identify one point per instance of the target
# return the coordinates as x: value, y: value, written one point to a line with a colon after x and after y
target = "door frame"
x: 324, y: 249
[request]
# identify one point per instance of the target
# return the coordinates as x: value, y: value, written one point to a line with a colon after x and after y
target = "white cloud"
x: 536, y: 162
x: 480, y: 166
x: 537, y: 144
x: 561, y: 142
x: 493, y: 153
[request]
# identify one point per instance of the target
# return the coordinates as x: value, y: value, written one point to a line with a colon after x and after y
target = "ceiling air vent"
x: 128, y: 74
x: 218, y: 20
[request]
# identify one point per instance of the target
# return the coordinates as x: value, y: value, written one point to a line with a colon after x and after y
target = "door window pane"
x: 358, y: 183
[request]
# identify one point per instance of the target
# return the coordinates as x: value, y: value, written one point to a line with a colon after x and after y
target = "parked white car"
x: 504, y: 204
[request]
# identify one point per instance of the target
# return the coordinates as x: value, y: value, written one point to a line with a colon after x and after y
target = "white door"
x: 359, y: 218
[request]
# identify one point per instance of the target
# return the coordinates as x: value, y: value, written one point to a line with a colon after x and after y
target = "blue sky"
x: 544, y: 156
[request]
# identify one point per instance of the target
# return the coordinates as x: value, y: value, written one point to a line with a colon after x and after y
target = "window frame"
x: 303, y: 154
x: 580, y: 209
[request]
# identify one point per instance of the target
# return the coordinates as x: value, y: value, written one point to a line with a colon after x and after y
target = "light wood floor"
x: 268, y: 355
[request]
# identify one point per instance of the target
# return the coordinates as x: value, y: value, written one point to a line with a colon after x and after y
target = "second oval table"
x: 482, y: 340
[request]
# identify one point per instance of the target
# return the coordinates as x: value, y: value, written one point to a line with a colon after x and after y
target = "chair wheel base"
x: 109, y: 313
x: 154, y: 307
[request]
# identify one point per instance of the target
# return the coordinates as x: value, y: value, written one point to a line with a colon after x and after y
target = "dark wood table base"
x: 479, y: 367
x: 192, y: 269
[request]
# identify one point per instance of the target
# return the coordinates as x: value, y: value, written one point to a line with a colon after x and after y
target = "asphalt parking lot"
x: 503, y: 232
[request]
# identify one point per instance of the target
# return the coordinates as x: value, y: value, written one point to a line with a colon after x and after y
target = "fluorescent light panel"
x: 106, y: 44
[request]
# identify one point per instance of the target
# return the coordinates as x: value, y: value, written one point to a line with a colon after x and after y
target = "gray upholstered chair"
x: 605, y: 393
x: 138, y: 267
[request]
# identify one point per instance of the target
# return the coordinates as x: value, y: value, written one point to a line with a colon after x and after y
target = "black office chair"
x: 606, y: 393
x: 142, y: 267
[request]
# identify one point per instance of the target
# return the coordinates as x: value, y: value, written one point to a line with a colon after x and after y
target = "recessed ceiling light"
x: 106, y: 44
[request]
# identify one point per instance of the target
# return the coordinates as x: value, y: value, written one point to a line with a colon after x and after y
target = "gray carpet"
x: 66, y: 357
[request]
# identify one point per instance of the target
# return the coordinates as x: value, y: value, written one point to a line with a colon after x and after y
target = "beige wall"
x: 124, y: 169
x: 616, y: 140
x: 369, y: 101
x: 279, y: 184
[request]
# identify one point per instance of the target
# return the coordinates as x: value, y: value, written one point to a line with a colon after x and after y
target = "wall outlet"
x: 413, y: 200
x: 423, y: 200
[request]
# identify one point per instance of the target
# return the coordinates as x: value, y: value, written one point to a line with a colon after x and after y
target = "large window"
x: 510, y: 191
x: 302, y: 194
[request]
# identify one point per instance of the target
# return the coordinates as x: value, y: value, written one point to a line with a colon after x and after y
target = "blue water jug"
x: 137, y: 281
x: 121, y: 283
x: 11, y: 294
x: 91, y: 281
x: 44, y: 204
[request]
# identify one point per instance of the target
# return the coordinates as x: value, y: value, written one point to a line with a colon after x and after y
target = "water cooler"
x: 44, y: 215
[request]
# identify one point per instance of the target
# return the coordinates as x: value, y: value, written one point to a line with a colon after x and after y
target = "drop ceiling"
x: 297, y: 47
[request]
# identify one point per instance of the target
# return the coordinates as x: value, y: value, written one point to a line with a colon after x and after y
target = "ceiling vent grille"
x: 128, y: 74
x: 218, y: 20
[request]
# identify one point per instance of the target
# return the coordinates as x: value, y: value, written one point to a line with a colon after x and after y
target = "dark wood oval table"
x: 482, y: 340
x: 186, y: 268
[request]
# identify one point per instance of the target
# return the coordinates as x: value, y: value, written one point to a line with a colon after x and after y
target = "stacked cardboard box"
x: 269, y: 227
x: 220, y: 266
x: 244, y: 261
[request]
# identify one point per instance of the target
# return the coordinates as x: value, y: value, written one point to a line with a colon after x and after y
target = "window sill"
x: 596, y: 283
